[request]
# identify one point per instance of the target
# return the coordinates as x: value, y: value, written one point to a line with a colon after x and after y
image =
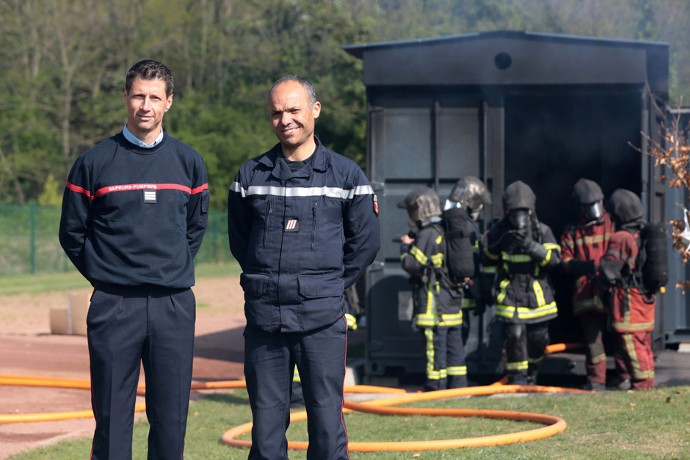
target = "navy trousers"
x: 269, y: 361
x: 127, y: 327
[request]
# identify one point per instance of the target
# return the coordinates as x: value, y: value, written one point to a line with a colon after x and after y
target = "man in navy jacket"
x: 303, y: 225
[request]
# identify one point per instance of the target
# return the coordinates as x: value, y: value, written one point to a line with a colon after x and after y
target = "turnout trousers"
x: 269, y: 362
x: 593, y: 326
x: 445, y: 358
x: 635, y: 356
x: 525, y: 345
x: 128, y: 326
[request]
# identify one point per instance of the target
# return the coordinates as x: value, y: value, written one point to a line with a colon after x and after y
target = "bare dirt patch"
x: 28, y: 348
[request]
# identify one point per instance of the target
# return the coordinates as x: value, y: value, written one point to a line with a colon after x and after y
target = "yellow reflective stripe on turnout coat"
x: 524, y: 291
x: 435, y: 305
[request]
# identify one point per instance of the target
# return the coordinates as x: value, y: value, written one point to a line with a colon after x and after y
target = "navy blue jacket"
x: 300, y: 237
x: 133, y: 216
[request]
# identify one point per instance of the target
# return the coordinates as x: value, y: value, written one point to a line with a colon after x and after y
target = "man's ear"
x: 316, y: 109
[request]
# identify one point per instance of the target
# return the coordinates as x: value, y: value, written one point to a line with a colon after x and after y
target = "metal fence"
x: 29, y: 240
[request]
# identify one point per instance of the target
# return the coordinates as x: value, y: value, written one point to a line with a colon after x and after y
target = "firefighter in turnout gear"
x: 632, y: 311
x: 437, y: 302
x: 461, y: 212
x: 583, y: 244
x: 522, y: 251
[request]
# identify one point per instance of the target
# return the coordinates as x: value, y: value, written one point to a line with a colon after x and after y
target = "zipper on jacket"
x: 313, y: 225
x: 269, y: 210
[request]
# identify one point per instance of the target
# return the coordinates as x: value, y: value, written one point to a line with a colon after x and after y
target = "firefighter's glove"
x: 520, y: 238
x: 611, y: 274
x: 351, y: 322
x: 536, y: 251
x: 581, y: 267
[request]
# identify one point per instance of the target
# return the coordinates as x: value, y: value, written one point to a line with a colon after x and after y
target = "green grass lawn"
x: 604, y: 425
x: 65, y: 281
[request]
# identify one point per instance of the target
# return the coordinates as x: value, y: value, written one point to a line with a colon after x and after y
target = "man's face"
x: 291, y: 116
x: 146, y: 103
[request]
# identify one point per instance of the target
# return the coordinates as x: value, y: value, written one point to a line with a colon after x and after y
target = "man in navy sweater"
x: 134, y: 212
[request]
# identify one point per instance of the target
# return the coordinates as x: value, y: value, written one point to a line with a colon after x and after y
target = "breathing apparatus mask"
x: 474, y: 213
x: 592, y: 213
x: 519, y: 218
x: 588, y: 195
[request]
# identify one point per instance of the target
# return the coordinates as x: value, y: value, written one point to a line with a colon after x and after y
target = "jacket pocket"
x: 322, y: 285
x: 254, y: 285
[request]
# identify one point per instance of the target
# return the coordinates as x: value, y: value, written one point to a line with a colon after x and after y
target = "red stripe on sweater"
x: 134, y: 187
x: 77, y: 189
x: 199, y: 189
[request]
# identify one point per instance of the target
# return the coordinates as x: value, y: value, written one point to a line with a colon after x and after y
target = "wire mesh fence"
x: 29, y: 240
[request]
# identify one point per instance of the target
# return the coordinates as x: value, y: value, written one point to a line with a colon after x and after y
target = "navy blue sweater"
x: 133, y: 216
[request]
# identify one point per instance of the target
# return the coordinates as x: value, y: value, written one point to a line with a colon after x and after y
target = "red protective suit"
x: 632, y: 312
x: 588, y: 243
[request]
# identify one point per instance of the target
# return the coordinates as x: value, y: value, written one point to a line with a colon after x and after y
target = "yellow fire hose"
x: 554, y: 425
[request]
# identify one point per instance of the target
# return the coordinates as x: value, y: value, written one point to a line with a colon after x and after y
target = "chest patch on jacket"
x: 291, y: 224
x: 149, y: 196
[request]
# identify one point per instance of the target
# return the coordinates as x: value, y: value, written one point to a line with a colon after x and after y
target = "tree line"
x: 62, y: 66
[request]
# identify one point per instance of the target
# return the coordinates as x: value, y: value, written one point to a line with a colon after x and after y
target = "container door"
x: 414, y: 141
x: 555, y: 137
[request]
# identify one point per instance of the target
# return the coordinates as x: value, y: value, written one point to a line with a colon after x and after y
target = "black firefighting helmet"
x: 519, y: 204
x: 590, y: 199
x: 422, y: 204
x: 625, y: 206
x: 469, y: 192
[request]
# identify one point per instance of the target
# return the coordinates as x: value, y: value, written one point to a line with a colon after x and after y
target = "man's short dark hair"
x: 148, y: 69
x: 306, y: 84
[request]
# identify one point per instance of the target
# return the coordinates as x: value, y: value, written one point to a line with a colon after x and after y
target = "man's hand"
x: 406, y: 239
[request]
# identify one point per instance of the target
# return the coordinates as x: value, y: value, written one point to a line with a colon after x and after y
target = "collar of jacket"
x: 275, y: 161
